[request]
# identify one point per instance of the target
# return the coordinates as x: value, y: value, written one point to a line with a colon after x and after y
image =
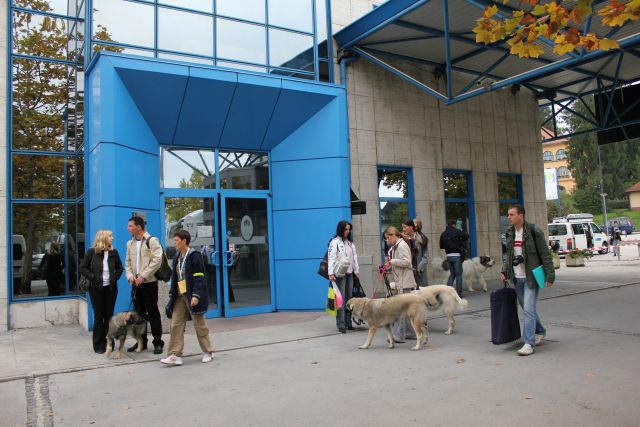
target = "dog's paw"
x: 117, y: 356
x: 449, y: 332
x: 416, y: 348
x: 363, y: 347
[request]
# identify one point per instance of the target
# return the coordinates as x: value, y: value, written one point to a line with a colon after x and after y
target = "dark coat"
x: 452, y: 240
x: 91, y: 266
x: 535, y: 252
x: 196, y: 286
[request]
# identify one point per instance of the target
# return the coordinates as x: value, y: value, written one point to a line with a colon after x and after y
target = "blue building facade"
x: 214, y: 117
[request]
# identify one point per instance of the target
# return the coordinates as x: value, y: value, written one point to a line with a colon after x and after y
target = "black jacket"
x: 92, y: 266
x: 452, y: 240
x: 196, y: 286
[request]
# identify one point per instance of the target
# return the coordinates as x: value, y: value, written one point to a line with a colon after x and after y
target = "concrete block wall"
x: 4, y: 301
x: 393, y: 123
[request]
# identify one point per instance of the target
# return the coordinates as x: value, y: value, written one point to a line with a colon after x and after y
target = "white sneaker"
x: 207, y: 357
x: 539, y: 338
x: 526, y: 350
x: 172, y: 359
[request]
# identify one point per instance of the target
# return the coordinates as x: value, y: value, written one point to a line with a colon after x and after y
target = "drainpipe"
x: 345, y: 57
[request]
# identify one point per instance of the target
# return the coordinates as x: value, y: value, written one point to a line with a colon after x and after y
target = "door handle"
x: 229, y: 262
x: 214, y: 258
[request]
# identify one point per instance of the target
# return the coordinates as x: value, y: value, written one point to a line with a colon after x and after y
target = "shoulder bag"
x: 164, y: 272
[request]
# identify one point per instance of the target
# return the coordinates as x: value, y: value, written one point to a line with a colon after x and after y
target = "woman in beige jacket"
x: 402, y: 269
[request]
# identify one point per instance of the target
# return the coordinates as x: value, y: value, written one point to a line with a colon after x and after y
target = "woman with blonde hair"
x: 103, y: 267
x: 402, y: 268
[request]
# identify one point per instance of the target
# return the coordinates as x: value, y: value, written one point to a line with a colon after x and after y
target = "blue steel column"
x: 316, y: 63
x: 447, y: 47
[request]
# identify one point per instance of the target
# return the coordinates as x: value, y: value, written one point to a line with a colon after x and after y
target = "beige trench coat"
x: 402, y: 267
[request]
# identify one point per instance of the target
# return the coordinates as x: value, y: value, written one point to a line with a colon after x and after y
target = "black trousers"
x: 145, y: 302
x: 103, y: 300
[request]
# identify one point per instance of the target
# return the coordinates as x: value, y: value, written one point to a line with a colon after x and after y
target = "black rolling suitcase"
x: 505, y: 325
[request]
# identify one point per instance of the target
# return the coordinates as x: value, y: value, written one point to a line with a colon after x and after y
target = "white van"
x: 578, y: 231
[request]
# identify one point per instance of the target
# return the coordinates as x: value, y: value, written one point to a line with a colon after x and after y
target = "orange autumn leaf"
x: 608, y: 44
x: 490, y: 11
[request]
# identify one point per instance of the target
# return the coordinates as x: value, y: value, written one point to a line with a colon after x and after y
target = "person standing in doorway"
x: 526, y: 250
x: 453, y: 241
x: 144, y: 258
x: 103, y: 267
x: 342, y: 246
x: 187, y: 299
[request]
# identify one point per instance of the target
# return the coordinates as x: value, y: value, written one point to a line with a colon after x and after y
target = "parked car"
x: 624, y: 224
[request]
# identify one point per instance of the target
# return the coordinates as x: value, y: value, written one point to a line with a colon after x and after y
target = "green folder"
x: 538, y: 274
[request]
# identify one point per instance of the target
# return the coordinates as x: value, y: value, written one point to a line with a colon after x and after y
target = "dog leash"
x: 381, y: 272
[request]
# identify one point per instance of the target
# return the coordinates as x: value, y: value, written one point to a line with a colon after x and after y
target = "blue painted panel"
x: 296, y: 104
x: 322, y: 135
x: 307, y: 292
x: 250, y: 112
x: 321, y: 183
x: 205, y: 107
x: 115, y: 219
x: 158, y: 90
x: 115, y: 117
x: 378, y: 16
x: 319, y: 226
x: 120, y: 176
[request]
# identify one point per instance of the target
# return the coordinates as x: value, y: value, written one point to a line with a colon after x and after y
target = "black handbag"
x: 323, y: 268
x: 505, y: 325
x: 84, y: 284
x: 358, y: 291
x: 164, y: 272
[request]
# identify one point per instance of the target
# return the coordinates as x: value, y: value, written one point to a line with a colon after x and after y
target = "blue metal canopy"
x: 437, y: 33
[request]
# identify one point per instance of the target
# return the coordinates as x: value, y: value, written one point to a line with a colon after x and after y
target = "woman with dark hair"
x: 188, y: 300
x: 342, y: 246
x: 422, y: 254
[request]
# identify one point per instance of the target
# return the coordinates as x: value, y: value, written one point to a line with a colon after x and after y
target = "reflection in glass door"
x: 247, y: 271
x: 198, y: 217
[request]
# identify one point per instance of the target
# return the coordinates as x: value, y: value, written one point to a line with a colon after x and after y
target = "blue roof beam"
x: 408, y: 39
x: 399, y: 73
x: 466, y: 40
x: 545, y: 70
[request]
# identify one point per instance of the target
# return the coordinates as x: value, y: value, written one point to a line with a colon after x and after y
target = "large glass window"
x: 459, y: 205
x: 243, y: 171
x: 395, y: 197
x: 241, y: 42
x: 187, y: 168
x: 509, y: 193
x: 272, y: 36
x: 46, y: 122
x: 185, y: 32
x: 290, y: 50
x: 122, y: 21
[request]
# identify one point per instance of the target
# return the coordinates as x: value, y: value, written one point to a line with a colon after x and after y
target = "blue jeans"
x: 345, y: 284
x: 527, y: 298
x: 455, y: 272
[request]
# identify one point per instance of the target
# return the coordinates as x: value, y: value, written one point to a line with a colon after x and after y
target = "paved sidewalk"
x: 56, y: 349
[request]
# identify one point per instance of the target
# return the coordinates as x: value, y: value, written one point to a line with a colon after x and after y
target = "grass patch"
x: 634, y: 215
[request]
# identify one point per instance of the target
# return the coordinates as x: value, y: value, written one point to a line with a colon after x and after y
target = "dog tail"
x: 462, y: 303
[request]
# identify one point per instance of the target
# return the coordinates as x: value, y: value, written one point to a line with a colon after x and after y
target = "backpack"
x: 164, y: 272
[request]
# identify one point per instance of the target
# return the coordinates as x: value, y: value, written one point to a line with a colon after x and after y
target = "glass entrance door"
x: 247, y: 271
x: 232, y: 231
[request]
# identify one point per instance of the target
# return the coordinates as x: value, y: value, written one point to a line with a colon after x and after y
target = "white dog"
x: 472, y: 269
x: 449, y: 303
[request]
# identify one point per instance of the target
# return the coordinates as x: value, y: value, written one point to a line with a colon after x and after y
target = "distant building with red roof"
x: 634, y: 196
